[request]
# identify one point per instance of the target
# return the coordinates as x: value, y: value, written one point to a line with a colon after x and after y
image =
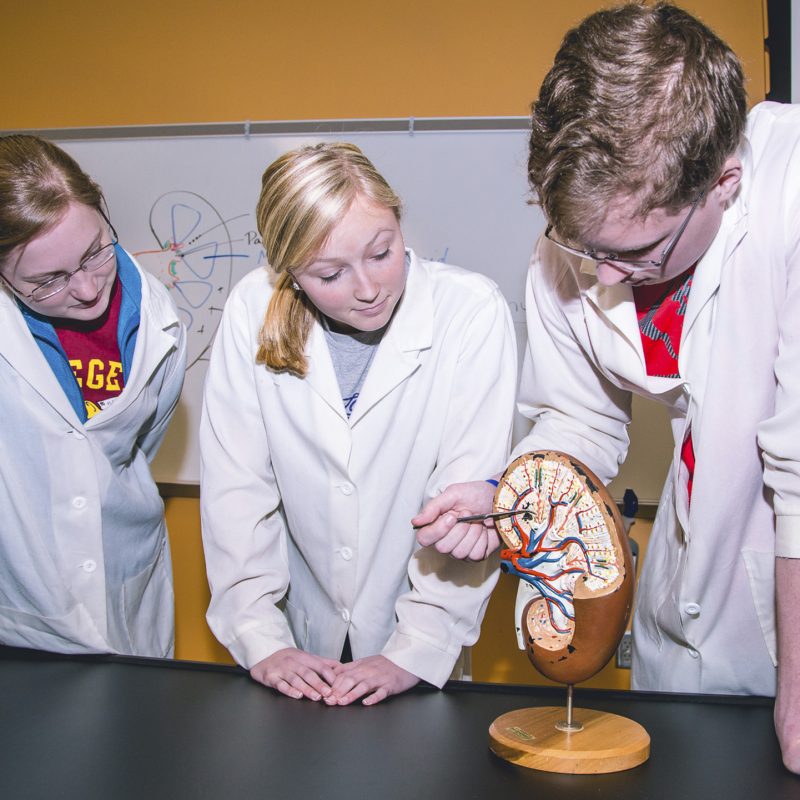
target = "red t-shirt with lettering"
x: 93, y: 353
x: 661, y: 309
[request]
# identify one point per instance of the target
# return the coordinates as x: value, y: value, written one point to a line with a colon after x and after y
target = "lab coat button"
x: 346, y: 489
x: 692, y: 652
x: 346, y: 553
x: 693, y: 609
x: 345, y: 615
x: 89, y: 565
x: 79, y: 502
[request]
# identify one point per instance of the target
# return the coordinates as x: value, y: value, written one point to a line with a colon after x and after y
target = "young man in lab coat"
x: 671, y: 268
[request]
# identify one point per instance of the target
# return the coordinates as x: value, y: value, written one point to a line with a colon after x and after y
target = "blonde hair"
x: 304, y: 194
x: 38, y: 180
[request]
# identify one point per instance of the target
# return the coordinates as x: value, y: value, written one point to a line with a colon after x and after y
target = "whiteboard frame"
x: 247, y: 128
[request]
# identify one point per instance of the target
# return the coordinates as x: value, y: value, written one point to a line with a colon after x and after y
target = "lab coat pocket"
x: 298, y: 622
x: 149, y: 608
x: 73, y: 632
x: 760, y: 568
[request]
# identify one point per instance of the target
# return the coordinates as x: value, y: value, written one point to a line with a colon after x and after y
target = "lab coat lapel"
x: 18, y: 347
x: 616, y: 309
x: 321, y: 375
x: 153, y: 341
x: 708, y: 275
x: 409, y: 333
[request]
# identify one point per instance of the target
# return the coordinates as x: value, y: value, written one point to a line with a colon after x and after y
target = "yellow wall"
x: 90, y: 63
x: 87, y: 63
x: 193, y: 639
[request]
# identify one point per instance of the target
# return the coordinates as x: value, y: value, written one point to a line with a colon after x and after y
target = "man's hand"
x: 374, y: 678
x: 438, y: 527
x: 787, y: 701
x: 297, y: 674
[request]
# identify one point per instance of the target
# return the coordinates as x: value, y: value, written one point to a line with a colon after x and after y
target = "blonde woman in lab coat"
x: 350, y: 382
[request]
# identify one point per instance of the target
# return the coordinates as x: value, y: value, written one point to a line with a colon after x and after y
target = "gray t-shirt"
x: 352, y: 355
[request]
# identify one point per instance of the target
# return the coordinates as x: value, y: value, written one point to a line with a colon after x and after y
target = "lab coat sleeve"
x: 573, y: 407
x: 779, y: 436
x: 443, y: 610
x: 244, y: 534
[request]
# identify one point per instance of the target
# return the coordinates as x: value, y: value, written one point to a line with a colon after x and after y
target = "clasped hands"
x: 298, y: 674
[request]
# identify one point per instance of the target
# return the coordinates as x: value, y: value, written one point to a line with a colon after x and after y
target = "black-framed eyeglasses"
x: 613, y: 258
x: 90, y: 263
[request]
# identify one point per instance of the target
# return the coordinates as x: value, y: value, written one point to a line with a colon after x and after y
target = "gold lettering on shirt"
x: 98, y: 374
x: 112, y: 378
x: 94, y: 374
x: 77, y: 368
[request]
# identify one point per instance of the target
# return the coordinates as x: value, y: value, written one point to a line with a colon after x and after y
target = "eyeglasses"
x: 90, y: 263
x: 613, y: 258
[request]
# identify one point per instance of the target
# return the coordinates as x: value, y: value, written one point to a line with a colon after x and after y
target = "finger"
x: 479, y: 551
x: 436, y: 531
x: 306, y: 689
x: 359, y: 690
x: 328, y: 674
x: 379, y: 694
x: 474, y: 536
x: 433, y: 509
x: 342, y: 685
x: 314, y: 681
x: 326, y: 671
x: 450, y: 542
x: 285, y: 688
x: 487, y: 544
x: 332, y: 699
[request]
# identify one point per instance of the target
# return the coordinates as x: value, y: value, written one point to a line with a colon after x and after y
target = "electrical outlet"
x: 625, y: 651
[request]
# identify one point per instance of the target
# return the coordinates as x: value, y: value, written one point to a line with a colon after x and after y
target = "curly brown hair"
x: 641, y: 101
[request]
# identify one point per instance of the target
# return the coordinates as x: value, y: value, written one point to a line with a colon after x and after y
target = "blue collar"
x: 44, y: 334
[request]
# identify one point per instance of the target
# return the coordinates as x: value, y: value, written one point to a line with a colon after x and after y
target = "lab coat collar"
x: 155, y: 336
x: 708, y: 275
x: 408, y: 334
x: 615, y: 303
x: 19, y: 349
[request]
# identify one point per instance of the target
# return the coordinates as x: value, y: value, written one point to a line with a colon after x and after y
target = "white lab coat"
x: 705, y: 619
x: 84, y: 559
x: 306, y: 514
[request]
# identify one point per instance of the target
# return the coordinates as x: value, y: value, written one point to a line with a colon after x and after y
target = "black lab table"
x: 114, y: 728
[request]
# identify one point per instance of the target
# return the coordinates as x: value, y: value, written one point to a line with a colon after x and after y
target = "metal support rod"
x: 570, y: 691
x: 569, y: 725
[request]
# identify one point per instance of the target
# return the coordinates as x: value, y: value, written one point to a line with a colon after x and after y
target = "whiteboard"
x: 184, y: 205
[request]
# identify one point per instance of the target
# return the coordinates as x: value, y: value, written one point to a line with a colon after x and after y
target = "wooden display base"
x: 606, y: 743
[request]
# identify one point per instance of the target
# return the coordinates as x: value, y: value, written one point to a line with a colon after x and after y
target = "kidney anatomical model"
x: 567, y: 544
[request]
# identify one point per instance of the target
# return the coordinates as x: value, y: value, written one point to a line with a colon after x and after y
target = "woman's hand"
x: 437, y: 525
x: 374, y: 678
x: 297, y: 674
